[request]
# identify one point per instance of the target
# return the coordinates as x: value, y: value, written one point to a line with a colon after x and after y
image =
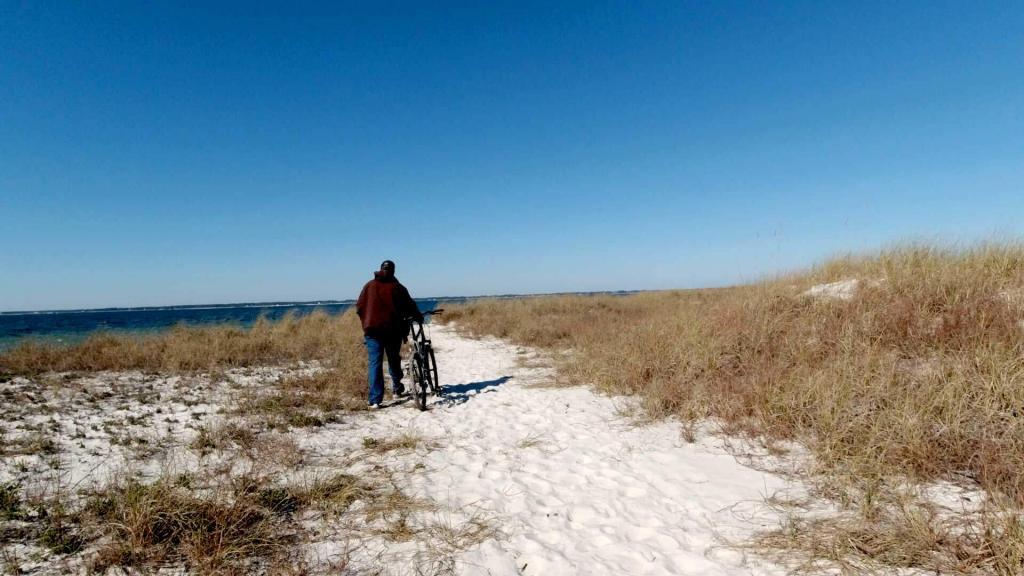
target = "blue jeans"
x: 377, y: 348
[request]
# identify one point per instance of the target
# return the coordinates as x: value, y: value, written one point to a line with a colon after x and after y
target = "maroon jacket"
x: 383, y: 306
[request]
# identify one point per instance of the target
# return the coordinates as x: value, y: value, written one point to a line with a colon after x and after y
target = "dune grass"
x: 919, y: 375
x: 332, y: 341
x: 241, y: 525
x: 336, y: 340
x: 147, y: 524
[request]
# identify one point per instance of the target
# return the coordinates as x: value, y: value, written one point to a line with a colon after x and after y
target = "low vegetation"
x: 253, y: 507
x: 10, y: 500
x: 334, y: 340
x: 244, y: 524
x: 308, y: 400
x: 402, y: 442
x: 236, y: 525
x: 913, y: 371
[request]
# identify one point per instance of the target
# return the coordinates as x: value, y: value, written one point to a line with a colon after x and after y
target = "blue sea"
x: 70, y: 326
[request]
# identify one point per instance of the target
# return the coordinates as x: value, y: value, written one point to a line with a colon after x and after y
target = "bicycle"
x: 422, y: 364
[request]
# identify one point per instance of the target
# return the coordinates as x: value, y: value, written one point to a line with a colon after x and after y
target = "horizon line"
x: 286, y: 303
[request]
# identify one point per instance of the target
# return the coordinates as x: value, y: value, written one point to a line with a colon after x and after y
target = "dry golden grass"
x: 904, y: 533
x: 147, y: 525
x: 10, y: 500
x: 241, y: 524
x: 215, y: 437
x: 335, y: 340
x: 920, y: 374
x: 405, y: 442
x: 304, y: 401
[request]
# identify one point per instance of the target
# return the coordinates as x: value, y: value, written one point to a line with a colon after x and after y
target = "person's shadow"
x: 460, y: 393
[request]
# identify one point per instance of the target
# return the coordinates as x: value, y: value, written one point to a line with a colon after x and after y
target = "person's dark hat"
x: 387, y: 265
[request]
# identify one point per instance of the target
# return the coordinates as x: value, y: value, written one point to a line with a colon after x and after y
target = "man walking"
x: 383, y: 306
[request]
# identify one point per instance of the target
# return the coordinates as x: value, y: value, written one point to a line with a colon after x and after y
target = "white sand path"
x: 573, y: 486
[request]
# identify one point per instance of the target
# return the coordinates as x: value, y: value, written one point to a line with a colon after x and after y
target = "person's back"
x: 383, y: 306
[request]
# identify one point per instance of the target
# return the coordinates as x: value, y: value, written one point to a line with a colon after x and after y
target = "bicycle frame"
x: 417, y: 333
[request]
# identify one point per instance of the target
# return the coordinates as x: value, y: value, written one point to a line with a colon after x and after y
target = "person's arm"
x: 361, y: 303
x: 411, y: 309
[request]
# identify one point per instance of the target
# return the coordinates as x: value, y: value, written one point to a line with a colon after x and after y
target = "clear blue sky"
x: 207, y: 152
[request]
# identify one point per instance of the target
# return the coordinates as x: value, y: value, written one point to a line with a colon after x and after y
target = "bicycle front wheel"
x: 419, y: 384
x: 428, y: 382
x: 432, y: 362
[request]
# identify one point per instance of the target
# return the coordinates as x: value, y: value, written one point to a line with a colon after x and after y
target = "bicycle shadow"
x: 461, y: 393
x: 396, y: 401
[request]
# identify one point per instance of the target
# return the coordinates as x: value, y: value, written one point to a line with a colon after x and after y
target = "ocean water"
x: 70, y: 326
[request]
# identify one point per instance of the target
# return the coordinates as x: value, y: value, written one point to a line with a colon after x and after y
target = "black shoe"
x: 400, y: 391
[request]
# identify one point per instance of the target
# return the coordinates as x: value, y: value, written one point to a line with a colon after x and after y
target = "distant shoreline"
x: 296, y: 304
x: 182, y: 307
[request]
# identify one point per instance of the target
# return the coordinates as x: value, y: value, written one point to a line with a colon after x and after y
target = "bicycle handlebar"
x: 427, y: 313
